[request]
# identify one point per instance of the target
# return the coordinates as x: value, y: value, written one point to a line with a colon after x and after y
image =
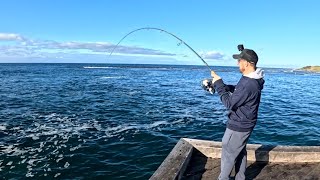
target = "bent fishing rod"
x: 161, y: 30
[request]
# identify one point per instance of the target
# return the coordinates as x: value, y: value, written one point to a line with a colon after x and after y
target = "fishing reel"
x: 208, y: 85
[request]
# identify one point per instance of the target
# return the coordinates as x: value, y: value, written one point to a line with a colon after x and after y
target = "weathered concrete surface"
x: 256, y: 152
x: 200, y: 159
x: 202, y: 167
x: 175, y: 164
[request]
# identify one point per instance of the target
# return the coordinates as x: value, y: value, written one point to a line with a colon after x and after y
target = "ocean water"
x: 108, y: 121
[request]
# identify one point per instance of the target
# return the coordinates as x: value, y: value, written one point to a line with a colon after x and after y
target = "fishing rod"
x: 161, y: 30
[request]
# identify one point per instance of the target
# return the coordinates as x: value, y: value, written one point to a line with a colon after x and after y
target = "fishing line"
x: 161, y: 30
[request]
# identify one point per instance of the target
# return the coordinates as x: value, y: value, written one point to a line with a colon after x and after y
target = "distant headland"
x: 310, y: 68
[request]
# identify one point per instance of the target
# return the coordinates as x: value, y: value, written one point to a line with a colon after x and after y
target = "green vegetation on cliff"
x: 311, y: 68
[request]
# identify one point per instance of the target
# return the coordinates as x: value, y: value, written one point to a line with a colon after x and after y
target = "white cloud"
x: 19, y: 47
x: 212, y: 55
x: 11, y: 37
x: 29, y: 47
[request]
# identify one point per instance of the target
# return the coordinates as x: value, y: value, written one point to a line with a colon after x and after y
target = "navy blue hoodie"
x: 242, y: 101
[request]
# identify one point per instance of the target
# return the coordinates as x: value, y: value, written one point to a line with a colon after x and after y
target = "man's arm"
x: 230, y: 101
x: 231, y: 88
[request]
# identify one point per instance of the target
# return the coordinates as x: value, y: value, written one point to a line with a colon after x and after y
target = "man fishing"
x: 242, y: 101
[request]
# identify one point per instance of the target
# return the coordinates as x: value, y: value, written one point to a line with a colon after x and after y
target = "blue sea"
x: 109, y: 121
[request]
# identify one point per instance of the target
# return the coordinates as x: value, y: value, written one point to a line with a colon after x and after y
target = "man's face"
x: 242, y: 65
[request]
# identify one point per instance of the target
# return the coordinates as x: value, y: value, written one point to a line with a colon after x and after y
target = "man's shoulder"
x: 243, y: 81
x: 248, y: 83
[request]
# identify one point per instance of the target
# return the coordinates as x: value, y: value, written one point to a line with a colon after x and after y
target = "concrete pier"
x: 200, y: 159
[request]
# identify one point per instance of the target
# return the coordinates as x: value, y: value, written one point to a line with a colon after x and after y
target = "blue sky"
x: 283, y: 33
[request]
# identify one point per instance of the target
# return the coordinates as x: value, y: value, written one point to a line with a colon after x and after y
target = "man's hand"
x: 214, y: 76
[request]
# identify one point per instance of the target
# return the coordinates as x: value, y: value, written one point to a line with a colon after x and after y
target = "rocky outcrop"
x: 310, y: 68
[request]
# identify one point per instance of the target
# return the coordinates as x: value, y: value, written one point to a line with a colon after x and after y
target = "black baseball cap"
x: 248, y: 55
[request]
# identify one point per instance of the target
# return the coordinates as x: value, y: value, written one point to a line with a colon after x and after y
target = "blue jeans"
x: 234, y: 154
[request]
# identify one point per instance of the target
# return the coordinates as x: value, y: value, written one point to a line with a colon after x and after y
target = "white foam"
x: 58, y: 174
x: 50, y: 116
x: 178, y: 121
x: 97, y: 126
x: 118, y: 130
x: 158, y: 123
x: 15, y: 128
x: 42, y: 144
x: 125, y: 129
x: 35, y: 137
x: 133, y: 93
x: 29, y: 174
x: 66, y: 165
x: 114, y: 128
x: 112, y: 77
x: 59, y: 160
x: 98, y: 67
x: 75, y: 148
x: 14, y: 151
x: 57, y: 131
x: 31, y: 162
x: 23, y: 161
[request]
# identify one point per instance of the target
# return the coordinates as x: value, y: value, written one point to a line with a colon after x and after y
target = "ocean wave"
x: 2, y: 127
x: 38, y: 142
x: 98, y: 67
x: 124, y: 129
x: 112, y: 77
x: 99, y: 113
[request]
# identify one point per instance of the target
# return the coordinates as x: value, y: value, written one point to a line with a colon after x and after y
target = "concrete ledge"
x: 257, y: 152
x: 176, y: 162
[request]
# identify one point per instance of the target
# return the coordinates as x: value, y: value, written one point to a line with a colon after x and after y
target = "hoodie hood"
x: 258, y: 74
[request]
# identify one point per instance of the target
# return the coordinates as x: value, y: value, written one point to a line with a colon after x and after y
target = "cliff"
x: 311, y: 68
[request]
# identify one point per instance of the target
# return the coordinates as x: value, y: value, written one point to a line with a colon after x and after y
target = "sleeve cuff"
x: 218, y: 83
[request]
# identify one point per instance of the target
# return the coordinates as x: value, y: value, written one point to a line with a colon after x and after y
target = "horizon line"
x: 141, y: 64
